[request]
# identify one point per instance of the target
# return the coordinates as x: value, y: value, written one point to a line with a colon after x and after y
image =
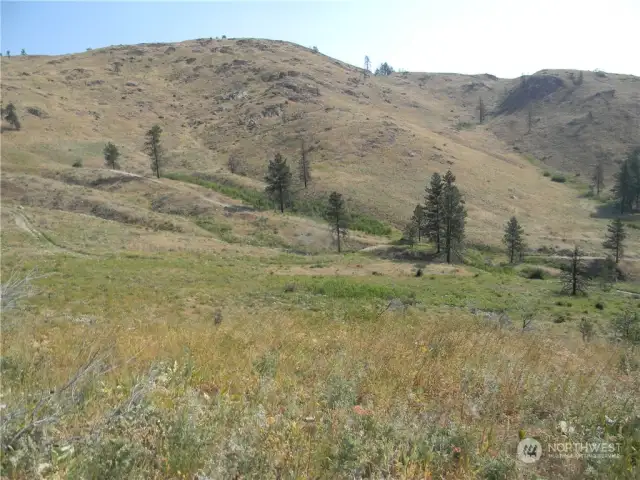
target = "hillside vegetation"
x: 181, y: 327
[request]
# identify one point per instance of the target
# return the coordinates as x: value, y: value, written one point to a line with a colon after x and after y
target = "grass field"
x: 313, y: 369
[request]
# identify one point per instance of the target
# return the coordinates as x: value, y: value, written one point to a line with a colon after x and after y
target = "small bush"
x: 600, y: 306
x: 534, y: 273
x: 546, y: 174
x: 586, y: 329
x: 560, y: 319
x: 463, y: 126
x: 559, y: 178
x: 77, y: 164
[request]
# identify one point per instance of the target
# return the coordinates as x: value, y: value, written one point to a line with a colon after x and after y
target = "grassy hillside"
x: 253, y: 98
x: 181, y: 328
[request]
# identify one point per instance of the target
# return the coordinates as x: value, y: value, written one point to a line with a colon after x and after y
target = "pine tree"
x: 305, y: 165
x: 111, y: 155
x: 367, y: 66
x: 23, y: 52
x: 513, y: 239
x: 153, y: 148
x: 409, y: 234
x: 623, y: 188
x: 634, y: 170
x: 574, y: 279
x: 453, y: 215
x: 433, y: 211
x: 418, y: 221
x: 614, y: 239
x: 278, y: 180
x: 529, y: 117
x: 384, y: 70
x: 481, y: 109
x: 8, y: 53
x: 11, y: 116
x: 337, y: 217
x: 598, y: 176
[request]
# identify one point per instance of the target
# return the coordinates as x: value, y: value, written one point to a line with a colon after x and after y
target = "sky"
x: 506, y: 38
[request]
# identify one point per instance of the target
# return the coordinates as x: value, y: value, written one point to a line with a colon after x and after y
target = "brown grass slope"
x: 377, y: 141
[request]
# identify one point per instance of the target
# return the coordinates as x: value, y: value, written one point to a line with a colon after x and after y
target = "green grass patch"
x: 249, y: 196
x: 219, y: 229
x: 305, y: 206
x: 354, y: 289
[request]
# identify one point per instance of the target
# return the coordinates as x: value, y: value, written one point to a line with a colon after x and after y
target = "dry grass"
x: 357, y: 139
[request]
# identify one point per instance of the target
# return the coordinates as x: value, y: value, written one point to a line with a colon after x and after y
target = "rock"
x: 131, y: 84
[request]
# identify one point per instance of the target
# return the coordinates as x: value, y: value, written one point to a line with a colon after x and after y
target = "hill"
x: 252, y: 98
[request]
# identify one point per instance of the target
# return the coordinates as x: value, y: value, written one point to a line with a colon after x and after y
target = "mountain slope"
x: 377, y: 140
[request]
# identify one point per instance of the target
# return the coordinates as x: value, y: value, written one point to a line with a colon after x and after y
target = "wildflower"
x: 358, y: 410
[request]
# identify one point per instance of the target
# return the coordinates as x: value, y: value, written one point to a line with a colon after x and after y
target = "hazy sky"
x: 502, y: 37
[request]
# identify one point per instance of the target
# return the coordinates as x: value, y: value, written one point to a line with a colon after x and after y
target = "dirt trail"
x: 23, y: 222
x: 182, y: 187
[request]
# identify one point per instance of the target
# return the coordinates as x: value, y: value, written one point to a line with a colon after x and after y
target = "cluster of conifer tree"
x: 441, y: 218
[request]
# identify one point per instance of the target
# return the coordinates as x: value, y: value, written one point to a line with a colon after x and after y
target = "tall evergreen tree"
x: 574, y: 279
x: 513, y: 239
x: 11, y: 116
x: 598, y: 176
x: 623, y: 188
x: 614, y: 239
x: 367, y: 66
x: 481, y: 110
x: 337, y: 217
x: 111, y: 155
x: 23, y: 52
x: 433, y: 211
x: 634, y: 170
x: 418, y: 219
x: 278, y: 180
x: 305, y: 165
x: 153, y: 148
x: 453, y: 215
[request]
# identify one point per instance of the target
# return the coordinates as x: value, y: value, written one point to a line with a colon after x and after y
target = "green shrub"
x: 534, y: 273
x: 559, y: 178
x: 77, y: 164
x: 546, y: 174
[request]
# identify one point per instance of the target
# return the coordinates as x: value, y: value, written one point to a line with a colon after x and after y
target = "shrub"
x: 77, y: 164
x: 534, y: 273
x: 586, y: 329
x: 546, y: 174
x: 559, y: 178
x: 600, y: 306
x: 560, y: 319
